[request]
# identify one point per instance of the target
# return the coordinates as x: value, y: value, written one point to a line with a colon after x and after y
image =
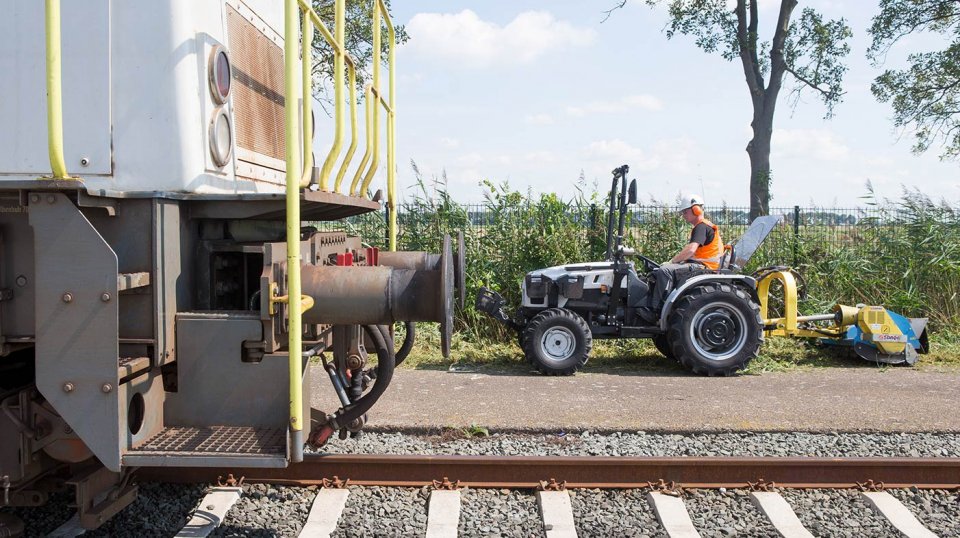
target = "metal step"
x: 212, y: 446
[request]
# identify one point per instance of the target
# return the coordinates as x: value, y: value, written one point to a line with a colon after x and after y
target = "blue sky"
x: 533, y: 92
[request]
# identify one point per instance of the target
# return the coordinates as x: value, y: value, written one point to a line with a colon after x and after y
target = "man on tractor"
x: 702, y: 252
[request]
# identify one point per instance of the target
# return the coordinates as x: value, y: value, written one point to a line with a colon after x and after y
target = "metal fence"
x: 805, y: 230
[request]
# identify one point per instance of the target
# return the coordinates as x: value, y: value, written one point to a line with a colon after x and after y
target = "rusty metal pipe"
x: 372, y: 295
x: 410, y: 260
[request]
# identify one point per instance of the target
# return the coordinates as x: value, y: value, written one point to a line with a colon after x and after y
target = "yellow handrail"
x: 338, y: 67
x: 353, y: 127
x: 368, y: 152
x: 306, y: 48
x: 54, y: 96
x: 295, y: 330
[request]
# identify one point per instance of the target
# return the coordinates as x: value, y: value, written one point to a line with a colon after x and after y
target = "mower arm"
x: 492, y: 303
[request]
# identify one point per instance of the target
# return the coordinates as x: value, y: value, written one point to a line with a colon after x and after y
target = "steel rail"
x: 590, y: 471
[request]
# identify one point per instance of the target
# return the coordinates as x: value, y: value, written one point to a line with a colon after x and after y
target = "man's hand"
x: 685, y: 253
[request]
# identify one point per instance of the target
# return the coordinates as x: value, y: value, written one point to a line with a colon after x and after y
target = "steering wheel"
x: 648, y: 264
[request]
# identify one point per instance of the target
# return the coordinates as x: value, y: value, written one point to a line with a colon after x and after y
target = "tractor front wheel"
x: 557, y: 342
x: 715, y: 329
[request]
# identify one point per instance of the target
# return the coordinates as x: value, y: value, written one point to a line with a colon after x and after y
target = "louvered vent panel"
x: 257, y: 89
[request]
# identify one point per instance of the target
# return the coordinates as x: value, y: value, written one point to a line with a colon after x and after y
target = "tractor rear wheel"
x: 557, y: 342
x: 663, y: 346
x: 715, y: 329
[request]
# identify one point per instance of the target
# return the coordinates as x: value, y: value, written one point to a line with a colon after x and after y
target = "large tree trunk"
x: 759, y: 151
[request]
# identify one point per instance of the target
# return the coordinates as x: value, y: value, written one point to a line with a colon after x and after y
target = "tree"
x: 925, y: 96
x: 359, y: 38
x: 810, y: 50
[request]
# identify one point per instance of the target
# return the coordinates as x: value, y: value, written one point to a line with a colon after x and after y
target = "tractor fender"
x: 749, y: 284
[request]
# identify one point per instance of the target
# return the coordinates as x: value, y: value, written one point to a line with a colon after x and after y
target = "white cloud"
x: 819, y: 144
x: 615, y: 152
x: 643, y: 102
x: 538, y: 119
x: 449, y: 143
x: 468, y: 40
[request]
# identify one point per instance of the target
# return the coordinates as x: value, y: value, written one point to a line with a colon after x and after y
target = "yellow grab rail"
x: 295, y: 328
x: 54, y: 89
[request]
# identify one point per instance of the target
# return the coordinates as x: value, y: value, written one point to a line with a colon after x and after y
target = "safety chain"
x: 671, y: 488
x: 446, y: 484
x: 334, y: 483
x: 552, y: 485
x: 870, y: 485
x: 231, y: 482
x: 761, y: 485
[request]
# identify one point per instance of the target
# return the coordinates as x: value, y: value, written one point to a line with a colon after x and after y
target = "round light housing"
x: 221, y: 138
x: 220, y: 74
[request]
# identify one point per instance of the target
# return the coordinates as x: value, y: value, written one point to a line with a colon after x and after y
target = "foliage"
x: 905, y: 257
x: 810, y: 49
x: 926, y: 95
x: 359, y: 41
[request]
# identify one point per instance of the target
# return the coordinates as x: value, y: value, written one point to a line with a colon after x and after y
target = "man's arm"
x: 685, y: 253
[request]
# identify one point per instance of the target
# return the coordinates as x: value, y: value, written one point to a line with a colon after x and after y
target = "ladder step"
x: 212, y: 446
x: 129, y: 281
x: 132, y: 366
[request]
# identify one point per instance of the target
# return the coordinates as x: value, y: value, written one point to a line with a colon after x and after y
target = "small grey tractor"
x: 710, y: 321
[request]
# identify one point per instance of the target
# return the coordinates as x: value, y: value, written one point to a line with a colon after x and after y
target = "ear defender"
x: 697, y: 210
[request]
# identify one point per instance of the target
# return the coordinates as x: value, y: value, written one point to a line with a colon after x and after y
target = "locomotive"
x: 161, y: 298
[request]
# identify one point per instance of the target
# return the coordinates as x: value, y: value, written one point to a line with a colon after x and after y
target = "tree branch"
x: 810, y: 84
x: 749, y: 64
x: 610, y: 11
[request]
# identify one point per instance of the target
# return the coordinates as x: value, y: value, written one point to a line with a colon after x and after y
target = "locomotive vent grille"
x: 257, y: 93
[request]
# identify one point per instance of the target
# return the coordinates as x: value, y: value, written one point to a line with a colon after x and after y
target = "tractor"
x: 710, y: 321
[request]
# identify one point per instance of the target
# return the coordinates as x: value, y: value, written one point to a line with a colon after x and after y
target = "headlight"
x: 220, y: 79
x: 221, y: 137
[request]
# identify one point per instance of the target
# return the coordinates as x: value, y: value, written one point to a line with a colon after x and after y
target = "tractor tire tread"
x: 675, y: 331
x: 552, y: 315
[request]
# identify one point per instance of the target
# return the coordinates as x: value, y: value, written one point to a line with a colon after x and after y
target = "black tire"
x: 557, y: 342
x: 663, y: 346
x: 715, y: 329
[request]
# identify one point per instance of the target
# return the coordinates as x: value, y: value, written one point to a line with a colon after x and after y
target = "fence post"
x: 386, y: 216
x: 796, y: 235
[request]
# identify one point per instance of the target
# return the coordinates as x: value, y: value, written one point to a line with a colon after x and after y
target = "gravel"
x: 499, y: 512
x: 837, y: 513
x: 730, y: 513
x: 906, y: 445
x: 614, y: 513
x: 938, y: 510
x: 264, y: 510
x: 376, y: 511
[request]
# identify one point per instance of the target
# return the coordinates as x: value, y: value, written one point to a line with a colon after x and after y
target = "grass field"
x: 776, y: 355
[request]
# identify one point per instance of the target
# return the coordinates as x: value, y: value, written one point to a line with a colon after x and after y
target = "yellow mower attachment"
x: 875, y: 333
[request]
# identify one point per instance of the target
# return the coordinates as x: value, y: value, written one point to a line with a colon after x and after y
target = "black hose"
x: 386, y: 361
x: 408, y: 341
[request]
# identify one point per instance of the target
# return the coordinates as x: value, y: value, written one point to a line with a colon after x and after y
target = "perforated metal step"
x: 212, y: 446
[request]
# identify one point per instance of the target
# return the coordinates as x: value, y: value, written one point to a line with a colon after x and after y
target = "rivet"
x: 107, y: 387
x: 68, y: 387
x: 51, y: 199
x: 35, y: 198
x: 84, y: 162
x: 105, y: 297
x: 67, y: 297
x: 21, y: 281
x: 210, y: 507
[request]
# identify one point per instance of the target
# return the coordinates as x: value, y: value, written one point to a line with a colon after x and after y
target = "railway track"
x: 766, y: 494
x: 589, y: 471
